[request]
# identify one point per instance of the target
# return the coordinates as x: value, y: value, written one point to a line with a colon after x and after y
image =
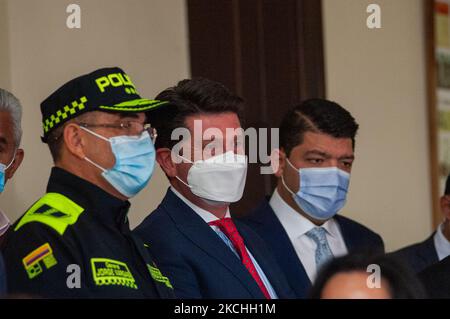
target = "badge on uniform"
x: 112, y: 272
x: 34, y: 262
x: 158, y: 276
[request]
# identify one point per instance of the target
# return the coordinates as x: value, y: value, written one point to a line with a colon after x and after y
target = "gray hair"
x: 9, y: 103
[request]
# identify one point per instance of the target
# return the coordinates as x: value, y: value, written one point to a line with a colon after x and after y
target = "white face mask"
x: 219, y: 179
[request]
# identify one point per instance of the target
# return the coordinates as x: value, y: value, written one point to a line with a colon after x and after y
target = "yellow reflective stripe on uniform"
x: 54, y: 210
x: 158, y: 276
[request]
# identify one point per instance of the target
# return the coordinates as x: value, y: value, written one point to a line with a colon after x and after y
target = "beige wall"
x: 377, y: 74
x: 4, y: 51
x: 147, y: 38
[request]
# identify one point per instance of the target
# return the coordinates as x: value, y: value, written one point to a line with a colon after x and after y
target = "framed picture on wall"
x: 437, y: 35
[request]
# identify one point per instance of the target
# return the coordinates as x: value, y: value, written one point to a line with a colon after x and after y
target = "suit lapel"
x: 351, y: 241
x: 273, y: 233
x: 427, y: 251
x: 201, y: 234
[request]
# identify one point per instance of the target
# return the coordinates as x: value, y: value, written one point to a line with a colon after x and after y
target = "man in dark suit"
x: 436, y: 279
x: 313, y: 166
x: 436, y: 247
x: 204, y: 252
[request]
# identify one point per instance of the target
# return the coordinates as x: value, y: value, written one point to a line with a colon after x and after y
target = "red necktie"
x: 227, y: 226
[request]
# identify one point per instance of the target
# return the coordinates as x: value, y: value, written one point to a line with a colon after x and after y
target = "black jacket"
x: 436, y: 279
x: 78, y: 226
x: 418, y: 256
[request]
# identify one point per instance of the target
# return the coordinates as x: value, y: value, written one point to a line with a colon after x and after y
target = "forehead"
x: 6, y: 127
x: 220, y: 121
x: 324, y: 143
x: 353, y: 284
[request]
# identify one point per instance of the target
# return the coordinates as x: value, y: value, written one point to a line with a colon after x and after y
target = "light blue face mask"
x: 135, y: 162
x: 3, y: 169
x: 322, y: 192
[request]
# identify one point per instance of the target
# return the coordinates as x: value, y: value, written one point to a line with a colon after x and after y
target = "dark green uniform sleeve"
x: 37, y: 260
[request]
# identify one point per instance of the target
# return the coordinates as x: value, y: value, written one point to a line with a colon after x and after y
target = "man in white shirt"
x: 300, y: 222
x: 204, y: 252
x: 11, y: 155
x: 436, y: 247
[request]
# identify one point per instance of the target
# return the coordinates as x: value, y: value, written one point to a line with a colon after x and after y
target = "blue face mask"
x: 322, y: 192
x: 135, y: 162
x: 3, y: 169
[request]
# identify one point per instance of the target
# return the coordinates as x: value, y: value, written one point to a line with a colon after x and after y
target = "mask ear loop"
x: 93, y: 133
x: 95, y: 164
x: 12, y: 161
x: 189, y: 161
x: 99, y: 136
x: 282, y: 178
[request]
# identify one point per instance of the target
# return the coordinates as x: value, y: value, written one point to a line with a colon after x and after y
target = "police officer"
x: 75, y: 241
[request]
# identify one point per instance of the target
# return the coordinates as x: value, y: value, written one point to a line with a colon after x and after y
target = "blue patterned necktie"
x: 323, y: 251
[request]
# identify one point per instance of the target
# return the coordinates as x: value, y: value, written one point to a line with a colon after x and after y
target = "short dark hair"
x: 190, y: 97
x: 403, y: 283
x: 55, y: 139
x: 319, y: 116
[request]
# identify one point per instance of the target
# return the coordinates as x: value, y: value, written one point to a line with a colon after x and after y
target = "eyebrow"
x: 348, y: 157
x: 327, y: 156
x: 315, y: 152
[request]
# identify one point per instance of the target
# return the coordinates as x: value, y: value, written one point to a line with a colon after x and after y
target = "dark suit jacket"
x: 2, y: 277
x: 198, y: 263
x: 418, y: 256
x: 436, y: 279
x: 264, y: 221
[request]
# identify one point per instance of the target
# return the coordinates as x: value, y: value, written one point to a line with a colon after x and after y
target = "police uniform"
x: 75, y: 241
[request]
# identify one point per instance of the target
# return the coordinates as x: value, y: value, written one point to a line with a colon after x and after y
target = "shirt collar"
x: 204, y: 214
x: 107, y: 207
x: 293, y: 222
x: 441, y: 243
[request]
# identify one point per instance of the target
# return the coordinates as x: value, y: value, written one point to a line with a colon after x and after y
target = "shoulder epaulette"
x: 54, y: 210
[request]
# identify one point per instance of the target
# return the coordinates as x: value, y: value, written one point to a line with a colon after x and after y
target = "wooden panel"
x: 432, y: 109
x: 270, y: 52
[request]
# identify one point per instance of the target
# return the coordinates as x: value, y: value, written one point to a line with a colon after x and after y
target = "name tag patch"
x: 112, y: 272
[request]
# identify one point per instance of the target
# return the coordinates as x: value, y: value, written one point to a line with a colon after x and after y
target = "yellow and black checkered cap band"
x: 67, y: 112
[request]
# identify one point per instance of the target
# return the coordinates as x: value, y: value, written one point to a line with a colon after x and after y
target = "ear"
x: 278, y: 161
x: 15, y: 165
x: 445, y: 206
x: 73, y: 140
x: 164, y: 159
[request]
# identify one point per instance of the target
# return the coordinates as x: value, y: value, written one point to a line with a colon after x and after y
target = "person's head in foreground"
x: 366, y: 276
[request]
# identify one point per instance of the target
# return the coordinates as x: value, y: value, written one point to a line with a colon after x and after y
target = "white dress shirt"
x: 296, y: 227
x: 441, y: 243
x: 209, y: 217
x: 4, y: 223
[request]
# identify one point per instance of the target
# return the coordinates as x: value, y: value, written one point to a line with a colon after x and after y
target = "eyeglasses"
x: 129, y: 127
